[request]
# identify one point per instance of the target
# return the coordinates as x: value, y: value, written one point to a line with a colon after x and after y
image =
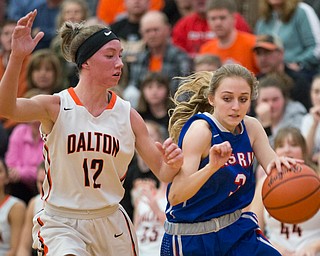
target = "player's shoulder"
x: 253, y: 125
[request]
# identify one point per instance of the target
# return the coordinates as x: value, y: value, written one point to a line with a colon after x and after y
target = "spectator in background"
x: 75, y: 11
x: 159, y: 55
x: 299, y: 239
x: 176, y: 9
x: 206, y: 62
x: 44, y: 73
x: 274, y: 108
x: 231, y: 45
x: 12, y: 212
x: 269, y: 53
x: 150, y: 204
x: 128, y: 30
x: 154, y: 102
x: 34, y: 206
x: 24, y: 154
x: 298, y: 26
x: 46, y: 21
x: 310, y: 123
x: 18, y: 8
x: 138, y: 171
x: 43, y: 76
x: 111, y: 11
x: 149, y: 200
x: 192, y: 31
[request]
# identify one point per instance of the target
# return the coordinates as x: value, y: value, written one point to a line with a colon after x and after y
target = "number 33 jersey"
x: 86, y: 156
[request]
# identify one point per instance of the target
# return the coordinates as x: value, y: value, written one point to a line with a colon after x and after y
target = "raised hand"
x: 22, y: 42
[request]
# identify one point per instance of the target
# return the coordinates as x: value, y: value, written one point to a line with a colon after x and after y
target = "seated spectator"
x: 12, y: 213
x: 231, y: 45
x: 289, y: 239
x: 274, y: 108
x: 192, y: 31
x: 298, y: 26
x: 43, y: 76
x: 154, y: 102
x: 44, y: 72
x: 24, y: 154
x: 206, y: 62
x: 75, y: 11
x: 159, y: 55
x: 269, y: 53
x: 310, y: 123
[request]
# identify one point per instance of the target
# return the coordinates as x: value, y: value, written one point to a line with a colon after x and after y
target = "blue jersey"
x: 229, y: 189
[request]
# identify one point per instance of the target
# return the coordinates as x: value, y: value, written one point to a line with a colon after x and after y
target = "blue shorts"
x: 242, y: 237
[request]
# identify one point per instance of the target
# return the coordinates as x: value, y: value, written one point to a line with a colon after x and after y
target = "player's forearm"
x: 185, y: 187
x: 9, y: 86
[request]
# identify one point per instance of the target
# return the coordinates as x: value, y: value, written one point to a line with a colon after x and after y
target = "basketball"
x: 292, y: 196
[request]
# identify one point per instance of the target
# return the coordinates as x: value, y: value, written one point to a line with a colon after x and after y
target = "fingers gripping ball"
x: 292, y: 196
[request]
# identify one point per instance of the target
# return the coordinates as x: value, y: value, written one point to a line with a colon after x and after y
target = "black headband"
x: 92, y: 44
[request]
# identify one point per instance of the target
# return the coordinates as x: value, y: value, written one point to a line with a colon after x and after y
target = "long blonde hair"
x: 192, y: 94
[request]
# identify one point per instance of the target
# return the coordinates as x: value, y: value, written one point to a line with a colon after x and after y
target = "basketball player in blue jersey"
x: 90, y: 137
x: 219, y: 142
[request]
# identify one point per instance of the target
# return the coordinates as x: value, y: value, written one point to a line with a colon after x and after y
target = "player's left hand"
x: 172, y: 154
x: 281, y: 161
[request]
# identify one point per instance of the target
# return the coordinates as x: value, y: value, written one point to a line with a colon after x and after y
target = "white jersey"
x: 38, y: 204
x: 87, y: 157
x: 292, y: 236
x: 5, y: 230
x: 149, y: 229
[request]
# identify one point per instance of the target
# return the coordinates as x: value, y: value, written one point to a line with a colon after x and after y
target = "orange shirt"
x: 241, y: 51
x: 155, y: 63
x: 108, y: 10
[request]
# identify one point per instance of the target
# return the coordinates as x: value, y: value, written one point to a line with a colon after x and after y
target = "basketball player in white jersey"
x: 12, y: 212
x: 90, y: 137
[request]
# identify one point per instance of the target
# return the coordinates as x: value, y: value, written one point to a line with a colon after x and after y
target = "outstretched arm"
x: 266, y: 156
x: 22, y: 45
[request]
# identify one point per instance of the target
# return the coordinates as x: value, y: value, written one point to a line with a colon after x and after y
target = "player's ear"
x: 85, y: 65
x: 211, y: 100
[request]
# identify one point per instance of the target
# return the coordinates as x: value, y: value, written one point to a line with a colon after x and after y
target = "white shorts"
x: 97, y: 233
